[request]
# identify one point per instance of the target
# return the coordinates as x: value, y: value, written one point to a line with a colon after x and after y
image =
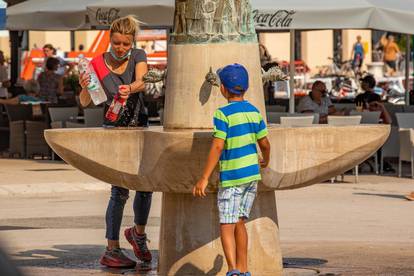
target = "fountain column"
x: 211, y: 34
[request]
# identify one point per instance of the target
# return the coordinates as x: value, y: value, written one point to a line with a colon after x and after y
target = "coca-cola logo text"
x: 106, y: 17
x: 276, y: 19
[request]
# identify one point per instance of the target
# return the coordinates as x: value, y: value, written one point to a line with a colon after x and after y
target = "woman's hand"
x: 84, y: 80
x: 124, y: 91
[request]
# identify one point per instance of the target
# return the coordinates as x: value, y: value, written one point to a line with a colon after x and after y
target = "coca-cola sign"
x: 107, y: 16
x: 279, y: 19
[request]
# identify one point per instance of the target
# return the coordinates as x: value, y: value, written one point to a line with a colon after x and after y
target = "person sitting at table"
x: 317, y: 101
x: 51, y: 83
x: 31, y: 88
x: 371, y: 101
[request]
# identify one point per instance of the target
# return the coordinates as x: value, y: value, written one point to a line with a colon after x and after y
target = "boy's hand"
x: 263, y: 163
x: 200, y: 188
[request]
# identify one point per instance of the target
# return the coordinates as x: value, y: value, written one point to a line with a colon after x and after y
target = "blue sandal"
x: 246, y: 274
x: 234, y: 272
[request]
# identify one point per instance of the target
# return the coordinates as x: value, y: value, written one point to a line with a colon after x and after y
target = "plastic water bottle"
x: 94, y: 88
x: 115, y: 108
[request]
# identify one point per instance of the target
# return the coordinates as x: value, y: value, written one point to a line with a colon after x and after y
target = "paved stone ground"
x: 51, y: 223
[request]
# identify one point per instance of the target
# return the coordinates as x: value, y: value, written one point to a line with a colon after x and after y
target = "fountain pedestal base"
x: 190, y: 236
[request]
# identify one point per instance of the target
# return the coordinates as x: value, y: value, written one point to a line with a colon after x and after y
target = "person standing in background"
x: 51, y: 83
x: 391, y: 52
x: 64, y: 66
x: 4, y: 77
x: 358, y: 54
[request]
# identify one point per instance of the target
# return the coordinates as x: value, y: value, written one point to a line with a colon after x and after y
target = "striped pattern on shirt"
x: 240, y: 124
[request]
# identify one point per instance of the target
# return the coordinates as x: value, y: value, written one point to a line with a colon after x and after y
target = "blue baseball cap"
x: 234, y: 77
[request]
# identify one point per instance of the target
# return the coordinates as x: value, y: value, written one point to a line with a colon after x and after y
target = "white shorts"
x: 236, y: 202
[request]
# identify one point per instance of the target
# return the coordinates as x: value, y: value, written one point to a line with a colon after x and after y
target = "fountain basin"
x: 154, y: 159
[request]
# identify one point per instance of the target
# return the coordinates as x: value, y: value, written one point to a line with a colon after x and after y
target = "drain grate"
x: 303, y: 262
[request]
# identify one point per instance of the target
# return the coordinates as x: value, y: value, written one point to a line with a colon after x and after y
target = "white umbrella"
x: 155, y: 13
x: 394, y: 16
x: 64, y: 15
x: 387, y: 15
x: 59, y: 15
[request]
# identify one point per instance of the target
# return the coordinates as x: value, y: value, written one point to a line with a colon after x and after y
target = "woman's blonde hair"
x: 128, y: 25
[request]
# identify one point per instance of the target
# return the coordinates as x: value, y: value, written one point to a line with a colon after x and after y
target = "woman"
x: 358, y: 54
x: 51, y: 84
x: 120, y: 71
x: 63, y: 68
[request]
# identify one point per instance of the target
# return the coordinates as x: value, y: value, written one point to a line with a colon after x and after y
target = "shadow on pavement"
x: 382, y: 195
x: 309, y: 264
x: 8, y: 267
x: 80, y: 257
x: 190, y: 269
x: 48, y: 170
x: 11, y: 227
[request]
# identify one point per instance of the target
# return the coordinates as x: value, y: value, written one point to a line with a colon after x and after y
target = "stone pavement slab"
x: 20, y: 177
x: 347, y: 228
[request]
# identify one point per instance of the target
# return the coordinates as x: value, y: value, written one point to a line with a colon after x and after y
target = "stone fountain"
x: 170, y: 159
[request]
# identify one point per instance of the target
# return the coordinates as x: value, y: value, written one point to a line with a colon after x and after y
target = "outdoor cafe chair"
x: 297, y: 121
x: 18, y: 115
x: 59, y: 115
x: 405, y: 120
x: 391, y: 148
x: 345, y: 121
x: 26, y: 135
x: 36, y: 144
x: 275, y: 108
x: 4, y: 129
x: 406, y: 133
x: 274, y: 117
x: 368, y: 117
x: 393, y: 110
x: 409, y: 108
x: 406, y: 149
x: 93, y: 118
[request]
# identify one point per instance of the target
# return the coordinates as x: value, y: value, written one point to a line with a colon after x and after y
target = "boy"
x: 237, y: 128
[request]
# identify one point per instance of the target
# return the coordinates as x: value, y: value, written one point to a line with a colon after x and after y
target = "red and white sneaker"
x: 410, y: 196
x: 117, y: 259
x: 139, y: 244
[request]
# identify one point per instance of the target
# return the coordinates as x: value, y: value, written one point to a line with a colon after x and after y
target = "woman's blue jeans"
x: 115, y: 210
